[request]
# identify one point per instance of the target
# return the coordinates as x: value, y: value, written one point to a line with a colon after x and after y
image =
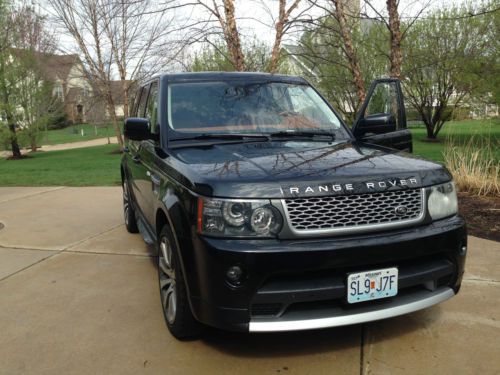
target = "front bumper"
x: 300, y: 284
x: 337, y: 317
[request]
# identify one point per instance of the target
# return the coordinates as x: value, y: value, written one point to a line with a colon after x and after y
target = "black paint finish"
x: 264, y: 169
x: 165, y: 184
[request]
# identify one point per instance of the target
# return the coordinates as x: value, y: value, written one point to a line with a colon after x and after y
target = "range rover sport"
x: 270, y: 214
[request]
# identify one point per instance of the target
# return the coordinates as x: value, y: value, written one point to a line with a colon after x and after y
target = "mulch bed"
x: 482, y: 215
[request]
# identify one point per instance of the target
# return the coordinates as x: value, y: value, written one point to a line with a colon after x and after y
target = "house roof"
x: 53, y: 65
x: 117, y: 91
x: 58, y: 66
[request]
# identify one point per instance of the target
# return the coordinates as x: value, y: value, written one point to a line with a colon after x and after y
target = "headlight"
x: 238, y: 218
x: 442, y: 201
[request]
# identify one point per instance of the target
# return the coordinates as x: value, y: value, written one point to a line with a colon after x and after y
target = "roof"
x: 53, y: 65
x: 117, y: 90
x: 211, y: 76
x: 59, y: 66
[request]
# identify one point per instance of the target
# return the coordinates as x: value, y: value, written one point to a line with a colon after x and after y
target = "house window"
x: 58, y: 91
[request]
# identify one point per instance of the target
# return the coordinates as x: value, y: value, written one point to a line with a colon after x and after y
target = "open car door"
x: 382, y: 118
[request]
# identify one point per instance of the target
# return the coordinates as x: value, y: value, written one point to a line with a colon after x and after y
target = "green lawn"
x: 457, y: 132
x: 74, y: 134
x: 91, y: 166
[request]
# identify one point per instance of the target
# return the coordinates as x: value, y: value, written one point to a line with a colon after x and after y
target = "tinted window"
x: 152, y: 107
x: 142, y: 102
x: 384, y: 100
x: 243, y: 107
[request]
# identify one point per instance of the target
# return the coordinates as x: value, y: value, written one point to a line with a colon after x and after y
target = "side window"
x: 152, y: 108
x: 384, y: 100
x: 142, y: 102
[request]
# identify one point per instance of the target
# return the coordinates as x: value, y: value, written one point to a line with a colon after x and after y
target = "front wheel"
x: 174, y: 299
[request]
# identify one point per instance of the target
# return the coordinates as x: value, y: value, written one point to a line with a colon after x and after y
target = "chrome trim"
x: 356, y: 229
x: 337, y: 317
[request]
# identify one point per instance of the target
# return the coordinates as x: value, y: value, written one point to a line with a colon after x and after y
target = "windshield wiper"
x: 219, y: 138
x: 303, y: 134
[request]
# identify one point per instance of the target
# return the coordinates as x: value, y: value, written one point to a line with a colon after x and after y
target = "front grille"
x: 351, y: 212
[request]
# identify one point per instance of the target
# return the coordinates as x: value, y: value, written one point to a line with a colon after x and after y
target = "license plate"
x: 370, y: 285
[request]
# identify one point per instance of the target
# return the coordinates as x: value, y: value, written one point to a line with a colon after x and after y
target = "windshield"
x: 249, y: 108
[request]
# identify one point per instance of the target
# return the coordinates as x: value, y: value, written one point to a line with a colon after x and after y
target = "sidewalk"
x: 67, y: 146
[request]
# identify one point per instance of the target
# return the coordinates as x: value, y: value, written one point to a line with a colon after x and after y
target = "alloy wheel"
x: 167, y: 280
x: 126, y: 203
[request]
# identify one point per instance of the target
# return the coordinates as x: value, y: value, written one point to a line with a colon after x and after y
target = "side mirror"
x: 137, y: 129
x: 378, y: 123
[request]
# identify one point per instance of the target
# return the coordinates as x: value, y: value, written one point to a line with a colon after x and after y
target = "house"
x: 76, y: 91
x: 71, y: 84
x: 118, y: 96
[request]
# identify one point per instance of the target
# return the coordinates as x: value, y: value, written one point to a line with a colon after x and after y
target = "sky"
x: 255, y: 18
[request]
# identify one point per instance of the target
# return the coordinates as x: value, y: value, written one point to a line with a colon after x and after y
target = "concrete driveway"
x: 79, y: 295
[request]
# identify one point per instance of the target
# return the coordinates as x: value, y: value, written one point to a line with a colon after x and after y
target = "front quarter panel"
x: 179, y: 206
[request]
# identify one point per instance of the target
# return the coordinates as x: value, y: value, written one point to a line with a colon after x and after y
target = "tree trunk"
x: 352, y: 57
x: 16, y: 151
x: 275, y: 55
x: 396, y: 56
x: 125, y: 100
x: 112, y: 113
x: 283, y: 19
x: 430, y: 131
x: 33, y: 143
x: 233, y: 37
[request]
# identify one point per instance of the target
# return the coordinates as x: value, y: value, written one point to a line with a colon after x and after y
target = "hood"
x: 292, y: 168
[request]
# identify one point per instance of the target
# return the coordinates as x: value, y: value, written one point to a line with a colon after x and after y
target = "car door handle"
x: 154, y: 178
x: 136, y: 159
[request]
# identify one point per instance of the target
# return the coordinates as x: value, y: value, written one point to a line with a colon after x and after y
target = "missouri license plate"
x: 370, y: 285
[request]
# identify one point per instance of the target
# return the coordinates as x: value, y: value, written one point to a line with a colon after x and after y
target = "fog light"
x: 235, y: 275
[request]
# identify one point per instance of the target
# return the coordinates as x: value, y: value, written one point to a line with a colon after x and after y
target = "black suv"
x: 270, y: 214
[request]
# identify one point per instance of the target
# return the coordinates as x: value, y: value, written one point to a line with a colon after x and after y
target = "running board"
x: 146, y: 236
x: 336, y: 317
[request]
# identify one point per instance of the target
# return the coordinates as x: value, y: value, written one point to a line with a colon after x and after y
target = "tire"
x: 128, y: 210
x: 173, y: 294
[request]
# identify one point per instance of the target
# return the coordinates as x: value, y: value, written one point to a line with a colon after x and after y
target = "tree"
x: 7, y: 107
x: 84, y: 22
x: 215, y: 57
x: 135, y: 38
x: 281, y: 26
x: 444, y: 55
x: 33, y: 98
x: 342, y: 70
x: 350, y: 52
x: 396, y: 32
x: 225, y: 15
x: 394, y: 25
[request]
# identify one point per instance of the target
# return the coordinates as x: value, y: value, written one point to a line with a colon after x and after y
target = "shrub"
x: 4, y: 137
x: 58, y: 121
x: 474, y: 166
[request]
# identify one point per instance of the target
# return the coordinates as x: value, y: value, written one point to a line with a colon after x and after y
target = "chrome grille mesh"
x: 354, y: 211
